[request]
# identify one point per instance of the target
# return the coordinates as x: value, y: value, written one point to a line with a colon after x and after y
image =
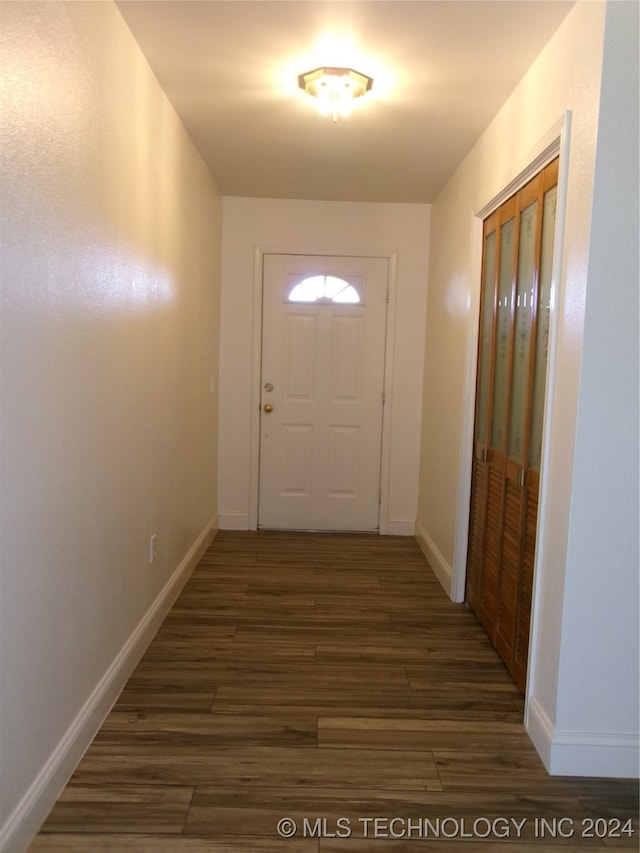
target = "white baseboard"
x: 390, y: 527
x: 595, y: 754
x: 540, y: 729
x: 398, y: 527
x: 234, y: 521
x: 442, y: 570
x: 26, y: 819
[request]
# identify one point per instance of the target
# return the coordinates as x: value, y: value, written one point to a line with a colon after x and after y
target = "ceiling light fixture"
x: 335, y: 88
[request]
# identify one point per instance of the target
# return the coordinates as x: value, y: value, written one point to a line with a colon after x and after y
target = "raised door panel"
x: 296, y: 464
x: 344, y: 453
x: 298, y: 356
x: 347, y: 359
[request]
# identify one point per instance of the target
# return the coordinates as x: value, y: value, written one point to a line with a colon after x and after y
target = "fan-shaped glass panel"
x: 333, y: 286
x: 347, y: 294
x: 324, y: 288
x: 301, y: 294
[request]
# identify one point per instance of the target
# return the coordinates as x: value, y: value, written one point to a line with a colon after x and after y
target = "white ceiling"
x: 441, y: 72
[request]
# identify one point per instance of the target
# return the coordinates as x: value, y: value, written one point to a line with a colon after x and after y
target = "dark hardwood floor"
x: 326, y: 679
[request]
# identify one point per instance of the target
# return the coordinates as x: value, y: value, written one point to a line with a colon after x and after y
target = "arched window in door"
x: 324, y: 288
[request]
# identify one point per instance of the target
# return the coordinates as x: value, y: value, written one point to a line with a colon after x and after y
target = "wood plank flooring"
x: 327, y: 679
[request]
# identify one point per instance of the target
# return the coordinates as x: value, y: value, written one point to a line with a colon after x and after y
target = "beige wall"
x: 111, y: 236
x: 396, y: 231
x: 591, y: 730
x: 110, y: 265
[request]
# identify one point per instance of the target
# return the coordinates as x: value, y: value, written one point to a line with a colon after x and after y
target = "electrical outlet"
x: 152, y: 547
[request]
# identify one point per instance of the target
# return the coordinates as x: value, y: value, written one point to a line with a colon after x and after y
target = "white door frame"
x: 256, y: 372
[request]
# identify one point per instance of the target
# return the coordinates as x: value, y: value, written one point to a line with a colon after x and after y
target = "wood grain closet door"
x: 514, y: 324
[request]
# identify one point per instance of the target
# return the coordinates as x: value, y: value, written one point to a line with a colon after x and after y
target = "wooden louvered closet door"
x: 512, y: 359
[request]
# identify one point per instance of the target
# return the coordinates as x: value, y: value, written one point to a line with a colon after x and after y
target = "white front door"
x: 323, y: 353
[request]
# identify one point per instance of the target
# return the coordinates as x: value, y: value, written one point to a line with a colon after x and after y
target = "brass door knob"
x: 268, y: 408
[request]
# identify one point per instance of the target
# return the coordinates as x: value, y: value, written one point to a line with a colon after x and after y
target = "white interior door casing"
x: 323, y: 377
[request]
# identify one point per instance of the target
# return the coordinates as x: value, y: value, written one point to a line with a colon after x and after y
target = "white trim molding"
x: 595, y: 754
x: 26, y: 819
x: 235, y: 521
x: 441, y: 568
x: 390, y: 526
x: 398, y: 527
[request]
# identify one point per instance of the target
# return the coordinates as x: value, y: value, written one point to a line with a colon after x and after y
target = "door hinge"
x: 384, y: 398
x: 379, y: 496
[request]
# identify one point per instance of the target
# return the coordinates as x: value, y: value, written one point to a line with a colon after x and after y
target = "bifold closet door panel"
x: 510, y: 391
